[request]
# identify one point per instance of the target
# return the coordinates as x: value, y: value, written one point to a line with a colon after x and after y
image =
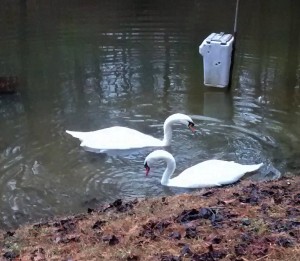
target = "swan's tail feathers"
x: 254, y: 167
x: 76, y: 134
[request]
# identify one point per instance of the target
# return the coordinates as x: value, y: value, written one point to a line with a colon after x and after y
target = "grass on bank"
x: 247, y: 221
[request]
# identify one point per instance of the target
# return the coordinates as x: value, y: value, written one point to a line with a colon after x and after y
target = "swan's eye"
x: 191, y: 124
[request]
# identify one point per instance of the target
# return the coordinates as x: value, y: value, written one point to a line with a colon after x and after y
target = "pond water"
x: 87, y: 65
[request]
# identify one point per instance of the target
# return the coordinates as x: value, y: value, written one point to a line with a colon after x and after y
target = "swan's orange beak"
x: 192, y: 129
x: 191, y: 126
x: 147, y: 169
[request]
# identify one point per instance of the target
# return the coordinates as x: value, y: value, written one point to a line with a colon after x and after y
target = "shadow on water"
x: 91, y: 65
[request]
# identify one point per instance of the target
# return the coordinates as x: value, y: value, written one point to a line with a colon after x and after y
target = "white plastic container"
x: 216, y: 50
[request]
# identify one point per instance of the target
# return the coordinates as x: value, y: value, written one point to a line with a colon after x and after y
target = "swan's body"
x: 123, y: 138
x: 208, y: 173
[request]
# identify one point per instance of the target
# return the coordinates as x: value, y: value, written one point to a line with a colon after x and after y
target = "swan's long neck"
x: 168, y: 131
x: 171, y: 165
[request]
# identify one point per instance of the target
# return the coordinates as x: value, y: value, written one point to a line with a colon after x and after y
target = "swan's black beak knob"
x: 147, y: 168
x: 191, y: 126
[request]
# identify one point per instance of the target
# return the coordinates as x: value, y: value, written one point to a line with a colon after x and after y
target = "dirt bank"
x: 247, y: 221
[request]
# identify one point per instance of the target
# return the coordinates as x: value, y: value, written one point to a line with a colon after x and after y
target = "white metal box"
x: 216, y: 50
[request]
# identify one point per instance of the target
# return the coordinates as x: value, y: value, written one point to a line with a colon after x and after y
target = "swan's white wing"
x: 212, y: 173
x: 115, y: 138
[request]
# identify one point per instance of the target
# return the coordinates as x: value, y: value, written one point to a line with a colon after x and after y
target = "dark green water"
x: 86, y: 65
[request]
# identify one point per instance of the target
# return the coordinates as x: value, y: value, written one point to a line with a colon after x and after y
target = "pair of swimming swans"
x: 205, y: 174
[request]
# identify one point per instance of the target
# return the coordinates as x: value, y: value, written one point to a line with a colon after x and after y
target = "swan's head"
x: 154, y: 156
x: 183, y: 119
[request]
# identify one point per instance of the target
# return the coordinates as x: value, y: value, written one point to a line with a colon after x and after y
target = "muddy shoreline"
x: 247, y: 221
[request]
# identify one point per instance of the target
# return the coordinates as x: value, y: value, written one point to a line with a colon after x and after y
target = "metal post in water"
x: 235, y: 39
x: 236, y: 15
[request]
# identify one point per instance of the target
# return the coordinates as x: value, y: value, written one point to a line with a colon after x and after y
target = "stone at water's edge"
x: 8, y: 84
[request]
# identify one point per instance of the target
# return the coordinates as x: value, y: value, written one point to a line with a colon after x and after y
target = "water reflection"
x: 217, y: 104
x: 86, y: 66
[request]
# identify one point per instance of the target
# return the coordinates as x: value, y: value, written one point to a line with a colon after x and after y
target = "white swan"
x: 122, y: 138
x: 208, y: 173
